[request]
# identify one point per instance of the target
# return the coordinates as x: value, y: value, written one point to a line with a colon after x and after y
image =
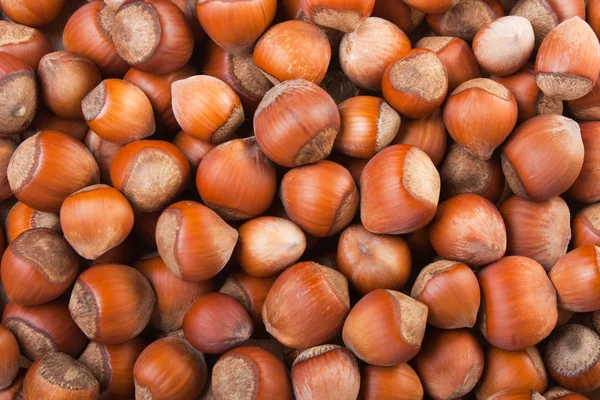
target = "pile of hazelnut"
x: 300, y: 199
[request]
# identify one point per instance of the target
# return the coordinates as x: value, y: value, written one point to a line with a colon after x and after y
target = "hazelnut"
x: 170, y: 368
x: 237, y: 180
x: 416, y: 84
x: 468, y: 228
x: 400, y: 382
x: 575, y: 277
x: 518, y: 303
x: 327, y: 372
x: 60, y: 376
x: 268, y: 245
x: 399, y: 177
x: 112, y: 366
x: 450, y: 290
x: 49, y: 166
x: 152, y: 36
x: 538, y: 230
x: 479, y: 116
x: 504, y: 46
x: 465, y: 18
x: 95, y: 220
x: 585, y: 226
x: 193, y: 241
x: 118, y: 111
x: 331, y: 203
x: 296, y: 123
x: 366, y: 51
x: 293, y: 50
x: 450, y: 363
x: 9, y: 365
x: 306, y: 305
x: 330, y: 13
x: 110, y: 317
x: 150, y: 174
x: 18, y: 95
x: 368, y: 126
x: 371, y: 261
x: 571, y: 358
x: 23, y: 42
x: 565, y: 69
x: 65, y: 79
x: 216, y: 323
x: 385, y: 328
x: 586, y: 188
x: 427, y: 133
x: 249, y: 372
x: 505, y: 370
x: 88, y: 32
x: 38, y: 267
x: 44, y: 329
x: 528, y: 157
x: 462, y: 173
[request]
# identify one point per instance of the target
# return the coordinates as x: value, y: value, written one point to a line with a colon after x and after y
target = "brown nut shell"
x: 528, y: 157
x: 150, y: 174
x: 385, y: 328
x: 479, y: 116
x: 468, y: 228
x: 331, y: 203
x: 416, y: 84
x: 18, y: 95
x: 65, y: 79
x: 296, y: 123
x: 61, y: 376
x: 38, y: 267
x: 118, y: 111
x: 368, y: 126
x: 174, y: 297
x: 306, y: 305
x: 235, y: 27
x: 538, y: 230
x: 88, y: 32
x: 401, y: 176
x: 170, y: 368
x: 207, y: 108
x: 519, y: 306
x: 193, y: 241
x: 565, y: 69
x: 576, y: 278
x: 327, y: 372
x: 108, y: 317
x: 95, y: 220
x: 371, y: 261
x: 112, y: 366
x: 451, y: 292
x: 44, y: 329
x: 152, y: 36
x: 23, y: 42
x: 450, y: 363
x: 237, y: 180
x: 367, y: 51
x: 250, y: 372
